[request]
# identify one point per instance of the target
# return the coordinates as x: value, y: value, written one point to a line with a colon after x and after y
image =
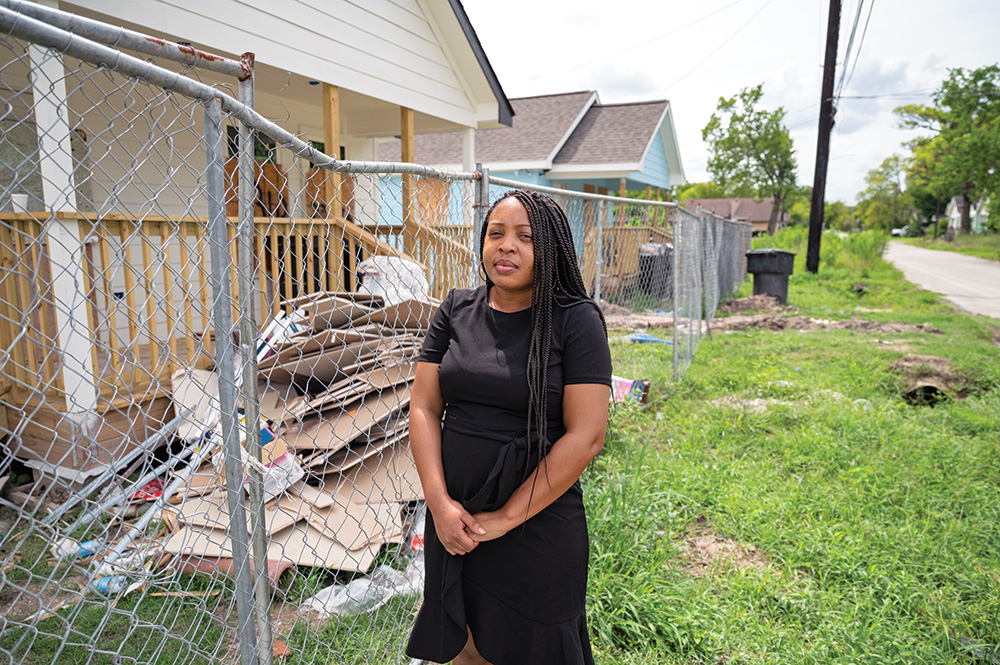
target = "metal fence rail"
x: 207, y: 342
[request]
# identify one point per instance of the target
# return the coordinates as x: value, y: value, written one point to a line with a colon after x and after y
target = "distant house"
x: 978, y: 214
x: 756, y: 211
x: 570, y: 141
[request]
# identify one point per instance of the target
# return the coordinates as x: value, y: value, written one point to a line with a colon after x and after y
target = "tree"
x: 883, y: 200
x: 965, y: 119
x: 751, y: 150
x: 699, y: 190
x: 838, y: 215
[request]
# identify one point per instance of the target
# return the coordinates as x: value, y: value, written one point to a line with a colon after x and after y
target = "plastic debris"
x: 68, y: 548
x: 629, y: 390
x: 646, y: 338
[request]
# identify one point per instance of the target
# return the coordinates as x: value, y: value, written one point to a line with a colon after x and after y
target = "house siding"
x: 390, y: 52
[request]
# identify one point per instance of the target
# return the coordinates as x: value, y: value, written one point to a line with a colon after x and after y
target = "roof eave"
x: 506, y: 111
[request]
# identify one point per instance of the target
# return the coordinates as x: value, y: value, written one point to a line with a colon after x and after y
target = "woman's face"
x: 508, y: 251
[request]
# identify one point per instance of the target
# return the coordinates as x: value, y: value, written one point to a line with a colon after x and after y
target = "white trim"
x: 572, y: 128
x: 619, y: 170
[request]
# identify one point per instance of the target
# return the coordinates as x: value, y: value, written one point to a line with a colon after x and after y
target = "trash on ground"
x: 629, y: 390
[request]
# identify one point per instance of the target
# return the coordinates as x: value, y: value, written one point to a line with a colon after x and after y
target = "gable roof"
x: 613, y: 133
x: 541, y: 126
x: 754, y: 210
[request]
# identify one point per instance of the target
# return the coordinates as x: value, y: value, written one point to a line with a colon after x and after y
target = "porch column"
x: 409, y: 226
x: 65, y: 249
x: 468, y: 199
x: 331, y: 144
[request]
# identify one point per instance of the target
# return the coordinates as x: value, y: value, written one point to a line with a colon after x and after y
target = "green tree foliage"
x: 963, y: 153
x: 700, y: 190
x: 838, y: 215
x: 751, y: 150
x: 883, y: 204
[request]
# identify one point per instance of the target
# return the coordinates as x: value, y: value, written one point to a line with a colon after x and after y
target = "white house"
x: 978, y: 214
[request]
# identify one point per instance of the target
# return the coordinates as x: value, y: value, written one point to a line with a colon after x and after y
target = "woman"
x: 520, y: 369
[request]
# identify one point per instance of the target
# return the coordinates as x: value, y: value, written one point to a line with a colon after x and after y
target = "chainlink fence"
x: 208, y: 332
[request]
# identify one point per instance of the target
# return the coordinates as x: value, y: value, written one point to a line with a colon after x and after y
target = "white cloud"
x: 558, y: 46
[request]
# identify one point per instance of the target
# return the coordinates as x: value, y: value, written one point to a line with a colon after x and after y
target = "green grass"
x: 983, y: 245
x: 878, y: 519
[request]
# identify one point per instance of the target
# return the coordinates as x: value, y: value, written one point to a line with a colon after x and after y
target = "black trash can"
x: 651, y: 269
x: 770, y: 269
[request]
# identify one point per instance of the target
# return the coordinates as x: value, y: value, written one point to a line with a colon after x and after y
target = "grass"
x: 875, y: 521
x: 878, y: 519
x: 983, y: 245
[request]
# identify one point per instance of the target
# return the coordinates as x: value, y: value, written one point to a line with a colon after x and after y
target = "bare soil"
x: 703, y: 552
x: 920, y: 370
x: 761, y: 304
x: 805, y: 323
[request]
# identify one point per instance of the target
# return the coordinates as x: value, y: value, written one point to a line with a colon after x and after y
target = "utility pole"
x: 826, y: 112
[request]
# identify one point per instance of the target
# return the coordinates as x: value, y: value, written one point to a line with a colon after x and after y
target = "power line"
x: 850, y: 45
x: 864, y: 32
x: 717, y: 48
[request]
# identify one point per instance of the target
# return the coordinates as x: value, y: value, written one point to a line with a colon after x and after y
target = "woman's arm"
x: 585, y: 414
x: 452, y: 522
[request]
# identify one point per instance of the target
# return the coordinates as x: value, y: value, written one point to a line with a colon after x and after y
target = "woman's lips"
x: 504, y: 267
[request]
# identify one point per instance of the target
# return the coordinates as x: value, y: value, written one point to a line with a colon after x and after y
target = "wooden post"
x: 409, y: 226
x: 331, y: 144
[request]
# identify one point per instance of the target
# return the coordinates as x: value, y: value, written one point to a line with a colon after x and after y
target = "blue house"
x: 569, y: 141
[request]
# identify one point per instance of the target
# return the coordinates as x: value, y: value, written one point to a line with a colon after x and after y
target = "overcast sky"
x: 694, y: 52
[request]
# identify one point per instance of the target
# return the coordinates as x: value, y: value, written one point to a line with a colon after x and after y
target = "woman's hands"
x: 455, y: 527
x: 493, y: 525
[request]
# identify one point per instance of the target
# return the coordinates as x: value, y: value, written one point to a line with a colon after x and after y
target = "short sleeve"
x: 586, y: 356
x: 439, y: 333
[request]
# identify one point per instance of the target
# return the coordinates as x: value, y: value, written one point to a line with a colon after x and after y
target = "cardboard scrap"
x: 333, y: 430
x: 198, y: 390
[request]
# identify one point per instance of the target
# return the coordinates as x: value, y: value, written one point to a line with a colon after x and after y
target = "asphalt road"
x: 970, y: 282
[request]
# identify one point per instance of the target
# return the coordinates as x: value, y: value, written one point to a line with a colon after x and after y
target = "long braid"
x: 556, y: 272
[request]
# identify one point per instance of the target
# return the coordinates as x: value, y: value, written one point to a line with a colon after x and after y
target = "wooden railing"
x: 620, y: 254
x: 148, y: 299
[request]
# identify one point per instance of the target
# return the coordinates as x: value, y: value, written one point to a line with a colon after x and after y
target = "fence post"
x: 248, y: 350
x: 674, y: 275
x: 602, y: 218
x: 223, y: 315
x: 482, y: 207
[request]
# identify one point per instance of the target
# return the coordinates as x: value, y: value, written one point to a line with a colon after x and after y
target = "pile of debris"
x: 334, y: 387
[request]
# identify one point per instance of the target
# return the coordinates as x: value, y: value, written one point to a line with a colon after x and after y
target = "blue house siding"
x: 655, y: 170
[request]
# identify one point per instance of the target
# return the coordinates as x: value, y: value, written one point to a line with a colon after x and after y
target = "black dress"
x: 523, y: 594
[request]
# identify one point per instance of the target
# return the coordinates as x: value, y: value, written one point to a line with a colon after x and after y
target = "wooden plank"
x: 24, y: 273
x: 88, y: 288
x: 206, y: 348
x: 103, y: 243
x: 286, y: 262
x: 186, y: 291
x: 130, y: 305
x: 259, y: 239
x: 406, y: 136
x: 51, y: 377
x: 331, y: 142
x: 168, y: 288
x: 147, y: 262
x: 9, y: 326
x: 275, y: 271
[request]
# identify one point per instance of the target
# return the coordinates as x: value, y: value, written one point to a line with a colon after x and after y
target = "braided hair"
x: 556, y: 274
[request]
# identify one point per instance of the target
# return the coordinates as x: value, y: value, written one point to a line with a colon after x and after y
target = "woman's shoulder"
x: 465, y: 297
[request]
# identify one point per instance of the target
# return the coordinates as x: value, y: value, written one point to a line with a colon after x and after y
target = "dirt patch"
x: 996, y: 338
x: 934, y: 371
x: 762, y: 304
x: 703, y: 551
x: 805, y: 323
